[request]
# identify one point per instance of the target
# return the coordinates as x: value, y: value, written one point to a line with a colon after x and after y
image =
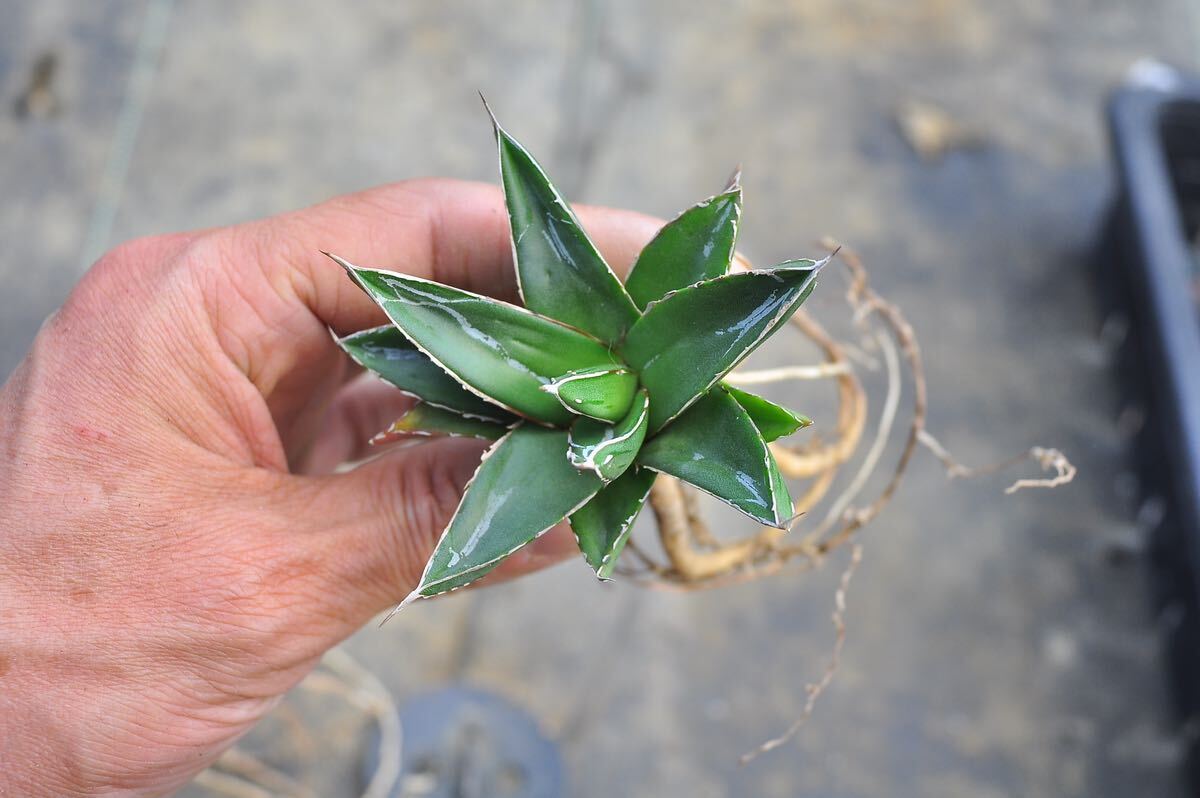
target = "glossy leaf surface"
x: 689, y: 340
x: 425, y: 419
x: 605, y: 394
x: 608, y: 449
x: 603, y: 524
x: 697, y: 245
x: 773, y: 421
x: 559, y: 269
x: 501, y: 351
x: 523, y: 487
x: 715, y: 446
x: 386, y: 352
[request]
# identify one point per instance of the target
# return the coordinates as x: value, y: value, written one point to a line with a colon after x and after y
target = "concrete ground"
x: 997, y: 645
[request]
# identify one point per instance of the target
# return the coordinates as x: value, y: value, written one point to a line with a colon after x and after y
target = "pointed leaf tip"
x: 773, y: 421
x: 735, y: 179
x: 560, y: 272
x: 488, y: 108
x: 696, y: 245
x: 409, y: 599
x: 346, y: 265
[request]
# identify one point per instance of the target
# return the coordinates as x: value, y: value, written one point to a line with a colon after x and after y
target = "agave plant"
x: 593, y: 388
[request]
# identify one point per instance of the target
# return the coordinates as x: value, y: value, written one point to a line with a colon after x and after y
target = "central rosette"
x: 616, y: 415
x: 594, y: 387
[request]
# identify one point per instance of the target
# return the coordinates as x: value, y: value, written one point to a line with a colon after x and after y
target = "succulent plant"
x: 593, y: 388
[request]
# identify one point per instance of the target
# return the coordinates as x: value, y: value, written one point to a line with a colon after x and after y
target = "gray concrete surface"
x: 995, y: 646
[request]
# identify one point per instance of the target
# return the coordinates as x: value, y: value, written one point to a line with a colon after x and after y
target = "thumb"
x: 379, y: 524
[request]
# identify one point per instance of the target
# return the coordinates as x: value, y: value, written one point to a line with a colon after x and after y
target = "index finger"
x: 451, y: 231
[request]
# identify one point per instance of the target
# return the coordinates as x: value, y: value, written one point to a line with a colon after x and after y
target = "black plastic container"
x: 1149, y: 265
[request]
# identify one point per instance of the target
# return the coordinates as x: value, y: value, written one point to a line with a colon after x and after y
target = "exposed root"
x: 223, y: 783
x: 887, y: 346
x: 680, y: 530
x: 239, y: 767
x: 814, y: 689
x: 1047, y: 459
x: 761, y: 376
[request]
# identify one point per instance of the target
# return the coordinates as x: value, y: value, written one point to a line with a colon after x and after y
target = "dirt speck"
x: 39, y: 100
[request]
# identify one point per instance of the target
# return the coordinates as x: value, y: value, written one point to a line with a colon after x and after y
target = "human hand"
x: 175, y: 551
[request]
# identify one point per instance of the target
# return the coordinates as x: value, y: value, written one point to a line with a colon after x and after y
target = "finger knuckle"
x: 256, y: 592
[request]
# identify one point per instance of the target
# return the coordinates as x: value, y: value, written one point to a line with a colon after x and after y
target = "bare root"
x: 1047, y: 459
x: 884, y: 343
x: 813, y: 690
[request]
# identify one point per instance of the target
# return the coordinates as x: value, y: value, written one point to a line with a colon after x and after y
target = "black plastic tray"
x: 1148, y: 264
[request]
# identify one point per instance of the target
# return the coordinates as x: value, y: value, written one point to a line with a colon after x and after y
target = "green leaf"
x: 559, y: 270
x: 773, y: 421
x: 697, y: 245
x: 385, y: 351
x: 715, y: 446
x: 603, y: 524
x: 425, y: 419
x: 523, y: 487
x: 497, y: 350
x: 604, y: 394
x: 609, y: 449
x: 690, y: 339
